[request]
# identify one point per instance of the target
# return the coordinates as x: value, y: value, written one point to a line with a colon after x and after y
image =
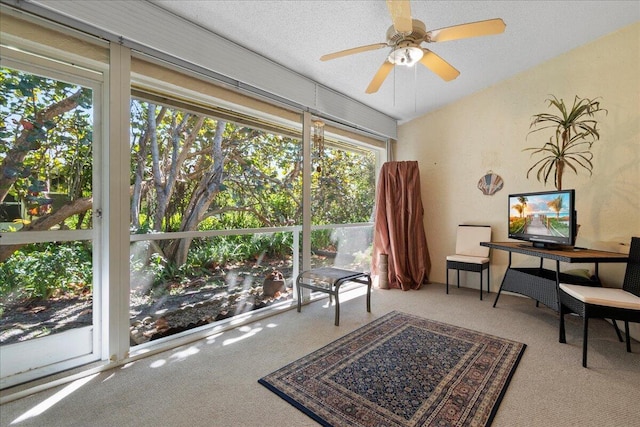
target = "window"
x: 218, y: 184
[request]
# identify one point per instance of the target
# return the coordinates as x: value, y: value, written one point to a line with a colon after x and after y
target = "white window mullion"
x: 306, y: 199
x: 116, y: 208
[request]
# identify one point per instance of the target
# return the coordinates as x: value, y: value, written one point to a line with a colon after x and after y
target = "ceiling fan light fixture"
x: 407, y: 56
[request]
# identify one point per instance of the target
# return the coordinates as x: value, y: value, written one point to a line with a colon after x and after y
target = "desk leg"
x: 499, y: 290
x: 557, y: 282
x: 502, y: 283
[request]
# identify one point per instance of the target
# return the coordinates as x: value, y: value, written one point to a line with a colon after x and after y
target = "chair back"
x: 631, y: 281
x: 468, y: 240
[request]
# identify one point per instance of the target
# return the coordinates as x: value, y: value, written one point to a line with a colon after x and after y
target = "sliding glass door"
x: 49, y: 228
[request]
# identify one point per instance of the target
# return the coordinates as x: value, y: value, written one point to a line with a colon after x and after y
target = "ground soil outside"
x: 168, y: 309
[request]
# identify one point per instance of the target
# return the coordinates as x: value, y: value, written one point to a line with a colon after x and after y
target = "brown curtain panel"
x: 399, y: 230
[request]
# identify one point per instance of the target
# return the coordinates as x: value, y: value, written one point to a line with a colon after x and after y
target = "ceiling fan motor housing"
x: 416, y: 36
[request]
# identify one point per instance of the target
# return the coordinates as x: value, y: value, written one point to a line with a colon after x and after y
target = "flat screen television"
x: 547, y: 219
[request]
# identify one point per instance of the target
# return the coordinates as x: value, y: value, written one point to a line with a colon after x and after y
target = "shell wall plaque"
x: 490, y: 183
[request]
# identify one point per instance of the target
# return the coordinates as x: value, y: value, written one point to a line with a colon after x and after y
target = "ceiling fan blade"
x: 352, y: 51
x: 463, y: 31
x: 400, y: 11
x: 439, y: 66
x: 382, y: 74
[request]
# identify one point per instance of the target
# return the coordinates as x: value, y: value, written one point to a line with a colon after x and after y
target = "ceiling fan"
x: 405, y: 36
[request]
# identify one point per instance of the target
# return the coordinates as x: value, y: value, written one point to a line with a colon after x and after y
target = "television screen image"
x: 544, y: 218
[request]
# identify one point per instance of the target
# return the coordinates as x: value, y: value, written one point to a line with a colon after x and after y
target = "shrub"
x: 45, y: 269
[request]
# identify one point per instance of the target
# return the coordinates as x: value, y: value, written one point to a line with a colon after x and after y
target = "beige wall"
x: 458, y: 144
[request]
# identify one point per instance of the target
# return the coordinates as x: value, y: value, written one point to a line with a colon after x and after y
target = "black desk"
x: 328, y: 280
x: 542, y: 284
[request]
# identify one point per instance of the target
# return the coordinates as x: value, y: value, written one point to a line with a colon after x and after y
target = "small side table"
x: 328, y: 280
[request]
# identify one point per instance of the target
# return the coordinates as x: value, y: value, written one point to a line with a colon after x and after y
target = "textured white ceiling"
x: 297, y: 33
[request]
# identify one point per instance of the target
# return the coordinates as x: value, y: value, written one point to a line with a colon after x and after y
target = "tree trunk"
x: 202, y: 197
x: 46, y: 222
x: 165, y: 184
x: 140, y: 165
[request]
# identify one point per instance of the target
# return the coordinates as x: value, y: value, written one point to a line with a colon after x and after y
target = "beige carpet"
x: 214, y: 381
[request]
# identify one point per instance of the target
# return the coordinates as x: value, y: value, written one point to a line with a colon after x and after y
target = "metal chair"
x: 610, y: 303
x: 470, y: 256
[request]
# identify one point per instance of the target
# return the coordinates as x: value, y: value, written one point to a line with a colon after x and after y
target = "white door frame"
x: 24, y: 361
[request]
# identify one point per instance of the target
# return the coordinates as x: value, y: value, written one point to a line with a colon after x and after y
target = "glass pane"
x: 45, y: 288
x: 343, y: 192
x: 342, y: 247
x: 223, y: 276
x: 192, y: 172
x: 46, y: 131
x: 46, y: 153
x: 343, y: 185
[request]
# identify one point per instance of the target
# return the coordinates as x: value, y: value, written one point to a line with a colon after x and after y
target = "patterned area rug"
x: 401, y: 371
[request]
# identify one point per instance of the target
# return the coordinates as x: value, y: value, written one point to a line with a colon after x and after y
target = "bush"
x: 224, y: 249
x: 45, y: 269
x: 321, y: 239
x: 205, y: 254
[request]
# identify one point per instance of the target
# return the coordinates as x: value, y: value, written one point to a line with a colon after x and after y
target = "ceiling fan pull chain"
x: 415, y: 89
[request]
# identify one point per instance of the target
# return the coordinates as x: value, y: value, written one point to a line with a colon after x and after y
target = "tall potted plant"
x: 574, y: 132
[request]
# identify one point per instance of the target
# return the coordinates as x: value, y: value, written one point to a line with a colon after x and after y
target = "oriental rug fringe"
x: 401, y: 370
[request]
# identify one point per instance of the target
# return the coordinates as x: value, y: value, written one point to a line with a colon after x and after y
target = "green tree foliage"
x: 46, y: 133
x: 344, y: 188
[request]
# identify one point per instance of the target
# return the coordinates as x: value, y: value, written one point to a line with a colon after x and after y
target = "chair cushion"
x: 608, y: 297
x: 468, y: 259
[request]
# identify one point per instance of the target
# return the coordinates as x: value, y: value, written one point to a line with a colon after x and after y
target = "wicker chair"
x: 610, y: 303
x: 470, y: 256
